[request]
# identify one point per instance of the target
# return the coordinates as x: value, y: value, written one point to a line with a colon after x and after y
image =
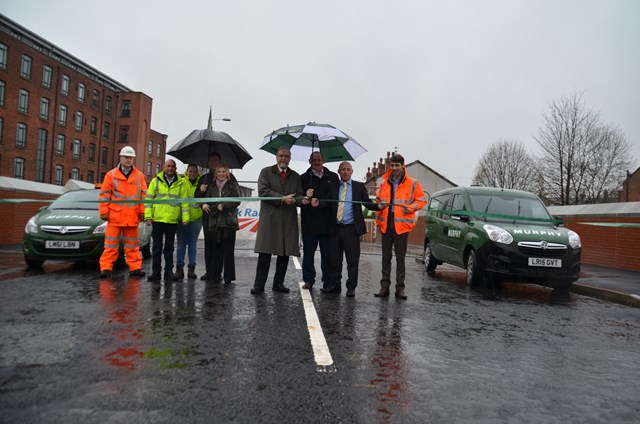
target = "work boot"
x: 169, y: 276
x: 192, y: 271
x: 179, y: 275
x: 400, y: 294
x: 384, y: 292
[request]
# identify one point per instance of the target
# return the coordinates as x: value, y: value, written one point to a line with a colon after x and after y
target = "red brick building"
x: 631, y: 187
x: 62, y: 119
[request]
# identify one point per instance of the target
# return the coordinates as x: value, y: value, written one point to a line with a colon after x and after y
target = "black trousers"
x: 221, y: 246
x: 160, y: 231
x: 397, y: 242
x: 262, y: 270
x: 346, y: 243
x: 229, y: 259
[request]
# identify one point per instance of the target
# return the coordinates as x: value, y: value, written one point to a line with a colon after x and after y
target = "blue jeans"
x: 309, y: 245
x: 188, y: 236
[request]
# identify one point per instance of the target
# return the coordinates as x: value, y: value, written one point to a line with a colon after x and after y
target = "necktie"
x: 284, y: 175
x: 343, y: 197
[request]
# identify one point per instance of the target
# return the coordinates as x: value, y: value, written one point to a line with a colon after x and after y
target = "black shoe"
x: 351, y: 292
x: 205, y: 277
x: 257, y: 290
x: 154, y: 277
x: 105, y: 273
x: 281, y: 289
x: 169, y: 276
x: 331, y: 290
x: 227, y: 282
x: 137, y: 273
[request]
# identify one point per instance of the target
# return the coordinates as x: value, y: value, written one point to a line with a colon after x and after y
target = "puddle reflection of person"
x: 120, y: 300
x: 389, y: 367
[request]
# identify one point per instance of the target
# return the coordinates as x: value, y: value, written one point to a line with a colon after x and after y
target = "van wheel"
x: 430, y: 262
x: 475, y: 272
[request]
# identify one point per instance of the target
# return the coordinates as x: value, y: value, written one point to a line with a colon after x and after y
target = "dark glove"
x: 141, y: 216
x: 104, y: 216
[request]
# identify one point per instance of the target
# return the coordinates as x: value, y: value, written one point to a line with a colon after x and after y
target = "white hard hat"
x: 128, y: 151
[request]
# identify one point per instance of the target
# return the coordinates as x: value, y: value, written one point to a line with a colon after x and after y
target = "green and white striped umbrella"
x: 302, y: 140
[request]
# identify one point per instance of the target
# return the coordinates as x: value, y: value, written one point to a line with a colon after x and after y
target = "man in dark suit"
x: 348, y: 227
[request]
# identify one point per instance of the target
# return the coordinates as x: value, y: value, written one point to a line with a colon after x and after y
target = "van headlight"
x: 31, y: 227
x: 100, y: 229
x: 574, y: 239
x: 497, y: 234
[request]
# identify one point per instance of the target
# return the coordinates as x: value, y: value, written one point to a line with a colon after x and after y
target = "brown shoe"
x: 384, y: 292
x: 400, y: 294
x: 307, y: 286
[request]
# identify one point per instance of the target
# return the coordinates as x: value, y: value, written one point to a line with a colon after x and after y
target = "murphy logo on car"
x: 499, y: 234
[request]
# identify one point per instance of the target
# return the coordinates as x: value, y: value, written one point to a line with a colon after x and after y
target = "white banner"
x: 248, y: 217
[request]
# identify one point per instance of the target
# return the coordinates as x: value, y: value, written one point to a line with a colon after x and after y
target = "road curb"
x: 604, y: 294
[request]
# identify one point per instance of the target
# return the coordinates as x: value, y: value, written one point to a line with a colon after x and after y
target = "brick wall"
x: 613, y: 247
x: 16, y: 215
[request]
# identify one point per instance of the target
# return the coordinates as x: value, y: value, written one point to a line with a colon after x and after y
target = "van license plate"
x: 62, y: 244
x: 545, y: 262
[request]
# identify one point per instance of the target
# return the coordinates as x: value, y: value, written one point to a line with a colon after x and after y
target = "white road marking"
x: 296, y: 262
x: 318, y: 343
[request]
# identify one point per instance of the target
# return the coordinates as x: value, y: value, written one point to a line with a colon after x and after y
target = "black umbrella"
x: 197, y: 146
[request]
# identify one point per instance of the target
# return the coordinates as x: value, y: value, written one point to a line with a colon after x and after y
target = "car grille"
x: 65, y: 230
x: 542, y: 249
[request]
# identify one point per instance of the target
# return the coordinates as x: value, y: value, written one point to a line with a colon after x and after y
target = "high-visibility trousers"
x: 131, y: 243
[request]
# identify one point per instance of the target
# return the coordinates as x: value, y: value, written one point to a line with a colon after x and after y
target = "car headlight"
x: 100, y: 229
x: 31, y: 226
x: 574, y: 239
x: 497, y: 234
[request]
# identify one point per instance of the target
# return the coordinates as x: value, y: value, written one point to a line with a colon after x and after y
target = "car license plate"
x: 545, y: 262
x: 62, y: 244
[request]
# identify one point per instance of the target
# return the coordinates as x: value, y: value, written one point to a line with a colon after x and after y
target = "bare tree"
x: 506, y: 164
x: 580, y: 156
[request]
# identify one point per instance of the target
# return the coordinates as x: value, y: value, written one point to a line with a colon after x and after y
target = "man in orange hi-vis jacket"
x: 120, y: 205
x: 405, y: 197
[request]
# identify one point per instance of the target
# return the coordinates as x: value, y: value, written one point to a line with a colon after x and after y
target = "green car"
x: 498, y: 234
x: 70, y: 228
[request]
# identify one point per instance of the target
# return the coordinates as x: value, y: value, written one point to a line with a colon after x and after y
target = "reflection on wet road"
x: 73, y: 348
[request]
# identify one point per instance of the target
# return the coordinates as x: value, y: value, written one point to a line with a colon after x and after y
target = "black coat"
x: 317, y: 221
x: 359, y: 194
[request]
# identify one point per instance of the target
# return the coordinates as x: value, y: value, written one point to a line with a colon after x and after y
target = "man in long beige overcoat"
x: 278, y: 232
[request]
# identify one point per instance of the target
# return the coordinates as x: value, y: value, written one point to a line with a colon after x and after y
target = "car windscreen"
x: 511, y: 206
x: 77, y: 200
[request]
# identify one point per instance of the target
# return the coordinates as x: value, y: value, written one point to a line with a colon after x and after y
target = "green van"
x: 499, y: 234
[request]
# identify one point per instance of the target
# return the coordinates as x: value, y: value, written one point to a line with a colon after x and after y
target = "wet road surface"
x: 74, y: 348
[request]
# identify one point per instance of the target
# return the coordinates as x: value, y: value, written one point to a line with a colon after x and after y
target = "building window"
x: 95, y: 99
x: 23, y: 101
x: 58, y: 174
x: 123, y: 136
x: 157, y: 168
x: 60, y: 144
x: 90, y: 177
x: 82, y: 92
x: 79, y: 120
x: 25, y: 67
x: 44, y: 108
x: 75, y: 174
x: 150, y: 147
x: 92, y: 152
x: 21, y: 135
x: 18, y: 168
x: 62, y: 116
x: 2, y: 84
x: 148, y: 168
x: 93, y: 129
x: 105, y: 155
x: 107, y: 104
x: 41, y: 154
x: 105, y: 130
x: 158, y: 150
x: 77, y: 148
x: 1, y: 128
x: 126, y: 108
x: 47, y: 72
x: 65, y: 85
x: 4, y: 55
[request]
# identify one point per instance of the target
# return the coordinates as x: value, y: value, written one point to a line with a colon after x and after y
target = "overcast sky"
x: 440, y: 81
